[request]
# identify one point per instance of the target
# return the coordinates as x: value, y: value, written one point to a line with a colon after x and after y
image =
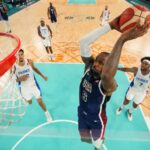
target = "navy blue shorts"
x: 53, y: 18
x: 89, y: 126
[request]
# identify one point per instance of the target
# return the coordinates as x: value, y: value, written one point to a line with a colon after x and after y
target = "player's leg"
x: 29, y: 101
x: 37, y: 93
x: 85, y: 135
x: 50, y: 48
x: 83, y: 128
x: 139, y: 97
x: 129, y: 96
x: 54, y: 18
x: 47, y: 49
x: 97, y: 130
x: 51, y: 18
x: 26, y: 94
x: 44, y: 41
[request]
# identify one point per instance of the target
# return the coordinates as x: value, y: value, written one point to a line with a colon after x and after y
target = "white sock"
x: 131, y: 110
x: 47, y: 114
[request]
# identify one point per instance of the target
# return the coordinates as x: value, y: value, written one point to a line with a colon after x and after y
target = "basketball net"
x: 12, y: 105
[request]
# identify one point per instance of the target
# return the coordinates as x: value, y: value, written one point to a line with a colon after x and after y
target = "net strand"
x: 12, y: 105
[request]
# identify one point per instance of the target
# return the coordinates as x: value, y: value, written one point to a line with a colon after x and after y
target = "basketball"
x: 131, y: 15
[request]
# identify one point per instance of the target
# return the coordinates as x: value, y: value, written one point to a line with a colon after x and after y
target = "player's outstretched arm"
x: 37, y: 70
x: 111, y: 65
x: 132, y: 70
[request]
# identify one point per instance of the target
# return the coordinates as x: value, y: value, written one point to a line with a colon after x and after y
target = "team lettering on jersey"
x: 141, y: 80
x: 87, y: 85
x: 24, y: 72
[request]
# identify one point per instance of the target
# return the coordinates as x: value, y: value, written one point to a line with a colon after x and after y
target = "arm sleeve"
x: 91, y: 37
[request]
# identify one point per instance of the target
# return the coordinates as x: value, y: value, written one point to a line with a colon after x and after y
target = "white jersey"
x: 44, y: 31
x: 105, y: 14
x: 141, y: 82
x: 25, y: 70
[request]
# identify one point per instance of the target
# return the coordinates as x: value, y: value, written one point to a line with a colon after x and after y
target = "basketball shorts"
x: 28, y: 92
x: 47, y: 42
x: 136, y: 95
x: 88, y: 124
x: 53, y: 18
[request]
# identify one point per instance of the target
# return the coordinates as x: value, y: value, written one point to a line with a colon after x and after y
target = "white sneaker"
x: 49, y: 119
x: 53, y: 57
x: 129, y: 115
x: 50, y: 57
x: 118, y: 111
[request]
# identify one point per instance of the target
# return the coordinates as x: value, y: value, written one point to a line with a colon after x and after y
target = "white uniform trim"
x: 98, y: 143
x: 88, y: 39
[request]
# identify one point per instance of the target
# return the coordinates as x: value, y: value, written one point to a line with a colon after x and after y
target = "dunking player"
x: 45, y: 33
x: 98, y: 81
x: 138, y: 87
x: 27, y: 82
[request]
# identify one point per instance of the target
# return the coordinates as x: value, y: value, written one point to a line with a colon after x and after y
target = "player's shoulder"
x: 30, y: 61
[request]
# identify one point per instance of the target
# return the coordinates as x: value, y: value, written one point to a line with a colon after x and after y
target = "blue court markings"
x: 81, y: 1
x: 60, y: 94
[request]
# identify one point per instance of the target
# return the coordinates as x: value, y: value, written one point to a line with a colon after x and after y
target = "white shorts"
x: 47, y: 41
x: 136, y: 95
x: 27, y: 92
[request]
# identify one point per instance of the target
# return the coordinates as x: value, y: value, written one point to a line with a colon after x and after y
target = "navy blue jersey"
x: 90, y: 96
x: 52, y: 10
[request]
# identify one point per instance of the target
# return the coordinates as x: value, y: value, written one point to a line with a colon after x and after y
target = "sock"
x: 47, y: 114
x: 131, y: 110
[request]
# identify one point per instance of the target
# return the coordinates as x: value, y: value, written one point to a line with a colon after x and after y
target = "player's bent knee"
x: 86, y: 140
x: 29, y: 101
x: 39, y: 100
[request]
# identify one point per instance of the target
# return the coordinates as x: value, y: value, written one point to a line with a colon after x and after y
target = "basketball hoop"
x: 7, y: 61
x: 12, y: 105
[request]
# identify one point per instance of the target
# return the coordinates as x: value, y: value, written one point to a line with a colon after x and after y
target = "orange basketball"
x: 131, y: 15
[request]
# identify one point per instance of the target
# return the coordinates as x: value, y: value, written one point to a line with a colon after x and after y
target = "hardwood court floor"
x: 74, y: 21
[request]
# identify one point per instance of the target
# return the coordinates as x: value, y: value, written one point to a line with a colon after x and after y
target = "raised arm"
x: 111, y: 65
x: 37, y: 70
x: 132, y: 70
x: 87, y: 40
